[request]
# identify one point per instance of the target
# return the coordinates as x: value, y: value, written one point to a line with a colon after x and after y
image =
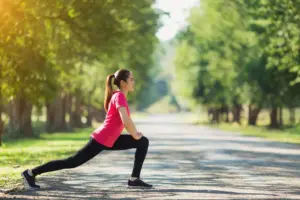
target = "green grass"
x: 19, y: 154
x: 288, y: 134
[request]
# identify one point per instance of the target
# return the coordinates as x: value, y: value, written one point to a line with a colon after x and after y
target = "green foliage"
x: 72, y: 45
x: 187, y: 71
x: 240, y: 52
x: 281, y: 34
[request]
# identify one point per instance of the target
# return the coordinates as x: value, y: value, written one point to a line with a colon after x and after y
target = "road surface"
x: 184, y: 161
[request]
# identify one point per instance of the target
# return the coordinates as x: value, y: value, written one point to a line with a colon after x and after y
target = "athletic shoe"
x: 29, y: 180
x: 138, y: 183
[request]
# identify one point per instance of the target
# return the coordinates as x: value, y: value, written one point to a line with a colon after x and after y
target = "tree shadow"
x: 204, y: 167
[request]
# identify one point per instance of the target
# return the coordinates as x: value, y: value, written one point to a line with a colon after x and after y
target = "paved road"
x: 184, y: 162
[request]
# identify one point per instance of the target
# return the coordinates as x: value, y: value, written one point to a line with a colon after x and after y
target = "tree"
x: 240, y: 58
x: 41, y: 42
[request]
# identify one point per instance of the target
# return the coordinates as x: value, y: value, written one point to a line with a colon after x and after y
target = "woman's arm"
x: 128, y: 123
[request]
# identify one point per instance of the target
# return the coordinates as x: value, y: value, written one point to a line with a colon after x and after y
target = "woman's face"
x: 129, y: 84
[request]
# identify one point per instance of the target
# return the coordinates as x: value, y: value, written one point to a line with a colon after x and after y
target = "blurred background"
x: 227, y: 61
x: 232, y: 64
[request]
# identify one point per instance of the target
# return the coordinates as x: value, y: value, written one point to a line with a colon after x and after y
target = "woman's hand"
x: 139, y: 135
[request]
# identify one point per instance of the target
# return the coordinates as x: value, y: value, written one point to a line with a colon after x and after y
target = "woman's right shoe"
x: 29, y: 180
x: 138, y: 183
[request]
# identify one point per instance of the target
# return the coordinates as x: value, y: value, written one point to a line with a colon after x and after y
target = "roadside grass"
x: 17, y: 155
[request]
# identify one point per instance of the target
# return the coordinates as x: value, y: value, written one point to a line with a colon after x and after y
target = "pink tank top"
x: 112, y: 126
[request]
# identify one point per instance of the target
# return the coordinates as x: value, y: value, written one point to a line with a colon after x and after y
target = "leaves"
x: 245, y: 52
x: 46, y: 46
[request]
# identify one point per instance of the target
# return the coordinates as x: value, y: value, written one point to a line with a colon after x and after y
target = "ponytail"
x: 108, y: 91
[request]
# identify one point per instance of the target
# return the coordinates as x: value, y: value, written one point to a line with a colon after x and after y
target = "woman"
x: 107, y: 136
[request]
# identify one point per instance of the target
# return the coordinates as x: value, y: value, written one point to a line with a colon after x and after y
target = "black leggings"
x: 92, y: 148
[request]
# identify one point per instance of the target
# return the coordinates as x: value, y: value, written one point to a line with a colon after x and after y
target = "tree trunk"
x: 209, y: 112
x: 1, y: 122
x: 280, y: 117
x: 225, y: 109
x: 60, y: 113
x: 69, y: 110
x: 64, y: 111
x: 76, y: 113
x: 89, y: 116
x: 292, y: 115
x: 11, y: 117
x: 20, y: 117
x: 50, y: 117
x: 237, y: 109
x: 50, y: 112
x: 1, y: 128
x: 227, y: 116
x: 273, y: 118
x: 216, y: 116
x: 56, y: 114
x: 1, y: 110
x: 253, y: 115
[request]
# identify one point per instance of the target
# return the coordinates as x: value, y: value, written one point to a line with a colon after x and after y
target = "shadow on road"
x: 183, y: 162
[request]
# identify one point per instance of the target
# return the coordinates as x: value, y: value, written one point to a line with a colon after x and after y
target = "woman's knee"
x: 144, y: 141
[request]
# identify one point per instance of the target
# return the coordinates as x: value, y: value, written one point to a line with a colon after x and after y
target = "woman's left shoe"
x: 29, y: 180
x: 138, y: 183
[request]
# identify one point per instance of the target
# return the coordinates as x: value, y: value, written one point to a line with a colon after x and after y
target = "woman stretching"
x: 107, y: 136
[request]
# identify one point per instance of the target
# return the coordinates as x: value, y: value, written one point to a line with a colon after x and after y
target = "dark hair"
x: 121, y: 74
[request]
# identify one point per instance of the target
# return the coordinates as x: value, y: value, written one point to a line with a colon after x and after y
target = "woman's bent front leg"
x: 128, y: 142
